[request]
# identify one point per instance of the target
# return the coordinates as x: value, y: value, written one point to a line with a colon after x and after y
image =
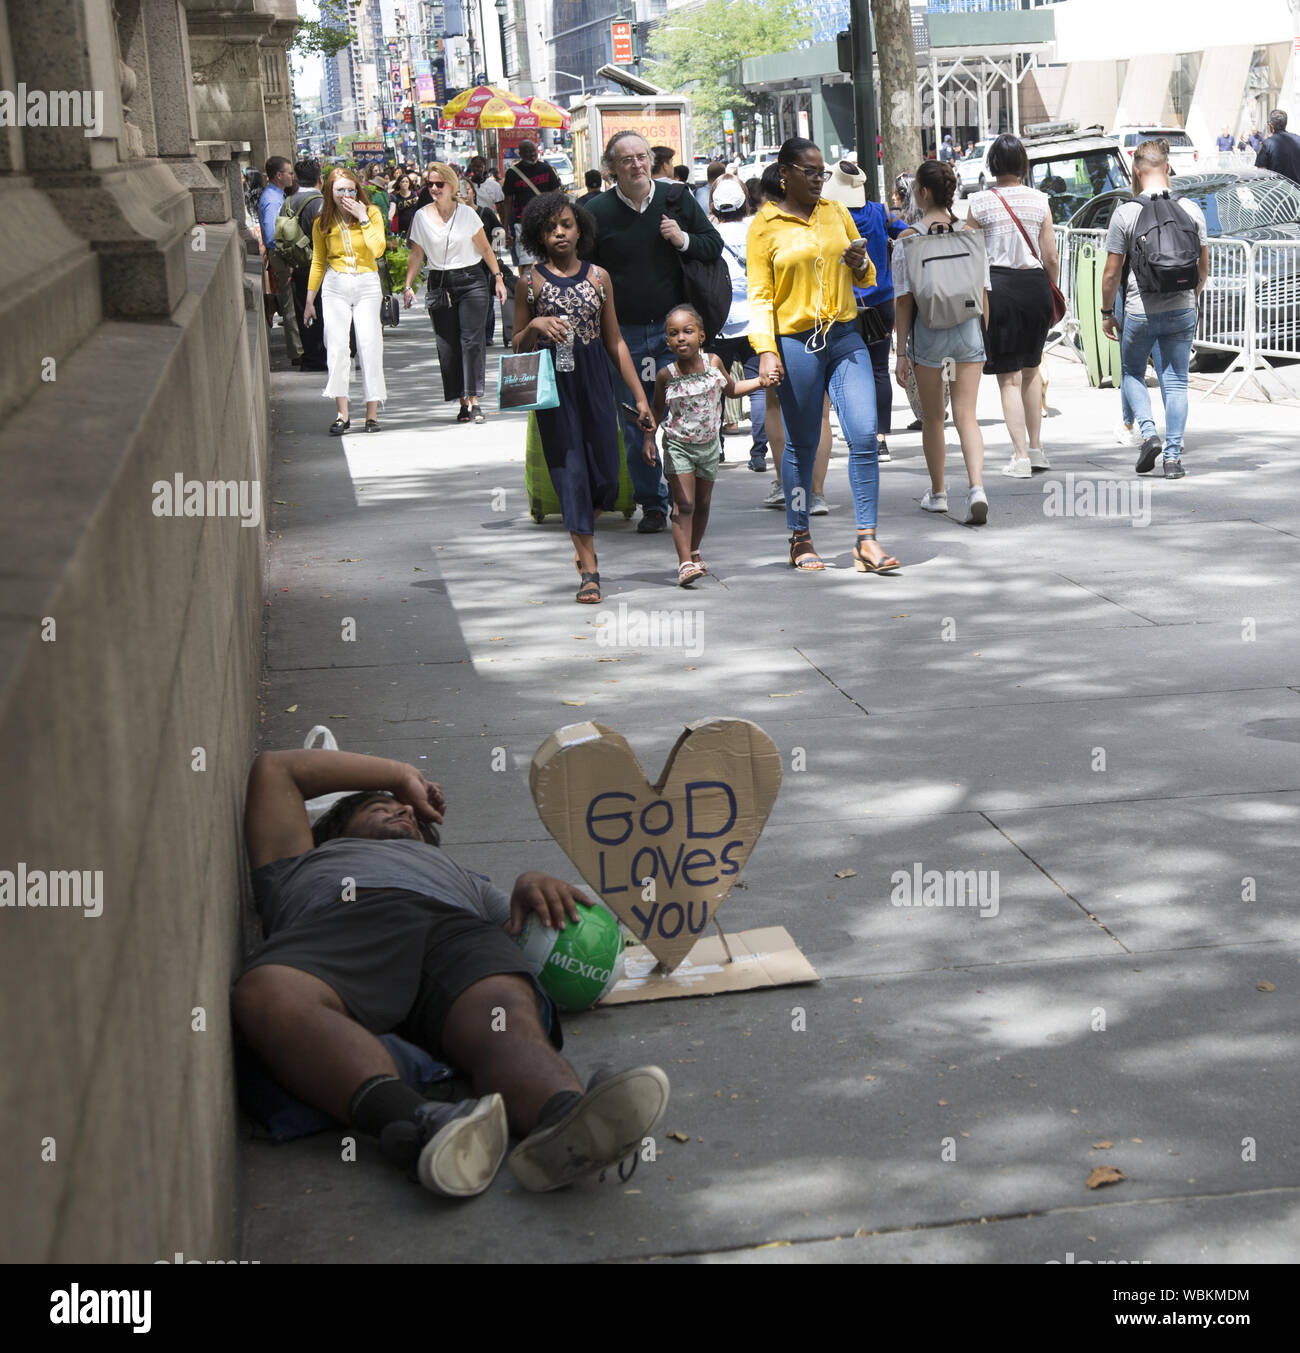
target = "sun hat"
x: 847, y: 184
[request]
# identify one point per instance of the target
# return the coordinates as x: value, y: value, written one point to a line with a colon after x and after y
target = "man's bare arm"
x: 279, y: 783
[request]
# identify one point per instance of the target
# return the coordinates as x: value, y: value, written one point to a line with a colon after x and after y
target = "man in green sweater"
x: 637, y: 243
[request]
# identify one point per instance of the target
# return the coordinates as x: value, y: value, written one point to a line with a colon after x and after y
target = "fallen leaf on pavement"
x: 1102, y: 1146
x: 846, y: 873
x: 679, y: 1137
x: 1265, y: 986
x: 349, y: 561
x: 1105, y: 1174
x: 573, y: 702
x: 293, y: 709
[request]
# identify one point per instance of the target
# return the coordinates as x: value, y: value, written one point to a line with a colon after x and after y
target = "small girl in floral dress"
x: 692, y: 390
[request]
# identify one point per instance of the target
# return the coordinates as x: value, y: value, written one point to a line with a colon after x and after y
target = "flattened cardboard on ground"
x: 691, y: 832
x: 763, y: 958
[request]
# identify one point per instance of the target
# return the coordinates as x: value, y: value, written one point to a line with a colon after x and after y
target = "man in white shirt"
x: 1169, y: 317
x: 487, y: 189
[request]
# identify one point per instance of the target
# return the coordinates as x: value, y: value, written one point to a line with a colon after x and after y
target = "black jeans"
x: 880, y: 366
x: 461, y: 330
x: 313, y: 335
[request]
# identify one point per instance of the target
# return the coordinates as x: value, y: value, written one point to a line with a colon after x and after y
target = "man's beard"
x: 396, y: 831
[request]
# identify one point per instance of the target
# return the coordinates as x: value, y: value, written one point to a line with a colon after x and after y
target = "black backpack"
x: 708, y: 285
x: 1165, y: 255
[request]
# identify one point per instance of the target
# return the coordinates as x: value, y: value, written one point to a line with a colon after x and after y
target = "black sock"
x: 382, y: 1100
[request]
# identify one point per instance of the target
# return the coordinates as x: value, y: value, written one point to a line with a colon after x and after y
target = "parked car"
x: 1184, y: 158
x: 757, y: 162
x: 1073, y: 165
x: 563, y: 167
x: 700, y: 170
x: 1247, y: 204
x: 973, y: 172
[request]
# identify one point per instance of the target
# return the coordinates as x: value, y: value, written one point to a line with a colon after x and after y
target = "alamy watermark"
x: 921, y: 887
x: 1077, y: 496
x: 25, y: 107
x: 632, y: 627
x: 23, y: 887
x: 181, y: 497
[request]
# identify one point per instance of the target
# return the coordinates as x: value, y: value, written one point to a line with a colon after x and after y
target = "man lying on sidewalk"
x: 372, y: 928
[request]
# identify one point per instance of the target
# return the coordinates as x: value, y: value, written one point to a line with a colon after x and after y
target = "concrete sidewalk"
x: 1102, y: 709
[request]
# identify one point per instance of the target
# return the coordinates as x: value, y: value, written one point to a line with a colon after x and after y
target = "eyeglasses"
x: 813, y: 175
x: 627, y: 161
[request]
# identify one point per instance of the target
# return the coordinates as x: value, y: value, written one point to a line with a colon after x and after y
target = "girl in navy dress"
x: 564, y: 300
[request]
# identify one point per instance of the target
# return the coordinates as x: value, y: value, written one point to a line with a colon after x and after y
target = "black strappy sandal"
x: 887, y: 564
x: 372, y: 424
x: 464, y: 415
x: 798, y: 557
x: 339, y: 426
x: 589, y: 592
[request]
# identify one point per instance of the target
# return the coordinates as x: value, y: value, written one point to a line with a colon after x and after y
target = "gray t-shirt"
x: 1119, y: 240
x: 303, y: 887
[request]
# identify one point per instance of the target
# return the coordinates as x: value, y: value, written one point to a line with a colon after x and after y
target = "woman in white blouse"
x: 1021, y: 247
x: 450, y: 235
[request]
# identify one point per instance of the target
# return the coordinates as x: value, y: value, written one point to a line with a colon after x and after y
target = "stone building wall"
x: 132, y: 350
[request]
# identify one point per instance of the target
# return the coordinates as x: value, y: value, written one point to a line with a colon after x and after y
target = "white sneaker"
x: 934, y: 502
x: 1127, y: 435
x: 776, y: 495
x: 1018, y: 468
x: 1038, y: 459
x: 977, y: 507
x: 818, y: 508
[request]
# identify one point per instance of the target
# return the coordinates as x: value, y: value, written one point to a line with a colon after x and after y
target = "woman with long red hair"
x: 347, y: 252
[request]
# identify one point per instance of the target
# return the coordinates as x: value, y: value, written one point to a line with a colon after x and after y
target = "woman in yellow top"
x: 802, y: 256
x: 347, y: 253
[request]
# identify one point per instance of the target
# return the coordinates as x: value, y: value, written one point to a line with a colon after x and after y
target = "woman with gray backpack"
x: 941, y: 300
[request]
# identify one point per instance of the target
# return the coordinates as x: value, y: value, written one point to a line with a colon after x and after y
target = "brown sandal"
x: 589, y: 592
x: 806, y: 560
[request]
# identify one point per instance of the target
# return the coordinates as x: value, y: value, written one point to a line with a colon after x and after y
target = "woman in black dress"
x: 565, y: 301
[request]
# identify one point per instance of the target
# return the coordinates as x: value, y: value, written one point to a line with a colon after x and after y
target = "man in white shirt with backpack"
x: 1158, y: 246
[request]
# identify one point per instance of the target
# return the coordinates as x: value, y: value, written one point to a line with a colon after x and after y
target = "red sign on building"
x: 621, y: 34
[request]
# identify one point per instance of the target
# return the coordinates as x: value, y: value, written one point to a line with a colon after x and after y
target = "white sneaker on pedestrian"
x: 977, y: 506
x: 934, y: 502
x: 1018, y: 468
x: 1038, y: 459
x: 818, y: 508
x: 776, y: 495
x: 1128, y: 434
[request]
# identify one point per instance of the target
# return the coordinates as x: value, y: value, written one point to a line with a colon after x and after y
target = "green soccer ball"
x: 578, y: 965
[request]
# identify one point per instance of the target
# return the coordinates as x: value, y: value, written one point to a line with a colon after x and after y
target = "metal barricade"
x: 1276, y: 274
x: 1225, y: 315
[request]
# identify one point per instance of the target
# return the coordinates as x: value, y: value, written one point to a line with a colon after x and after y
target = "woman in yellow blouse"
x: 803, y: 256
x: 347, y: 253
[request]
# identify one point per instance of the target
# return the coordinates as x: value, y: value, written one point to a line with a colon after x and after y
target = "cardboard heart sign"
x: 691, y: 833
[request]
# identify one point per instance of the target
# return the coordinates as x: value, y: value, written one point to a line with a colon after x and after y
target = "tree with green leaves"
x: 326, y: 35
x: 699, y: 53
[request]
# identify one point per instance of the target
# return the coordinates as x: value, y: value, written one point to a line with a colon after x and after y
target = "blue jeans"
x: 843, y: 369
x: 643, y: 341
x: 1125, y: 408
x: 1175, y: 330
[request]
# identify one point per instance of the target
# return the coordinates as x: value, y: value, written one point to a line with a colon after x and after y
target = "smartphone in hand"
x: 635, y: 414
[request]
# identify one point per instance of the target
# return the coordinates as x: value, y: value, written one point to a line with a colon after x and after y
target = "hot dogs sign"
x: 662, y: 857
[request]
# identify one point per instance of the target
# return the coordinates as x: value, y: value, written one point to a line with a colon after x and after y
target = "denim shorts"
x: 932, y: 347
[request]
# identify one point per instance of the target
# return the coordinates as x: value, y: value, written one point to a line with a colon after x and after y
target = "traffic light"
x: 844, y: 51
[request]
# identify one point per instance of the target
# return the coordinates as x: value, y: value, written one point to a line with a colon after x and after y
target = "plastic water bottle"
x: 564, y: 352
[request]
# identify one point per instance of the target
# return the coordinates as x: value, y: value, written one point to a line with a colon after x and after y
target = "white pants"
x: 349, y: 299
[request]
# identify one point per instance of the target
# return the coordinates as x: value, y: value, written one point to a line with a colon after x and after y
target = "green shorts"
x: 695, y: 458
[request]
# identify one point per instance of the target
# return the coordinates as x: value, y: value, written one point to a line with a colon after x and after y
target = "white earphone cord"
x: 816, y: 340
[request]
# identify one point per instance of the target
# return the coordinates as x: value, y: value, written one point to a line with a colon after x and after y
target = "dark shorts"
x: 399, y: 961
x: 1020, y: 314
